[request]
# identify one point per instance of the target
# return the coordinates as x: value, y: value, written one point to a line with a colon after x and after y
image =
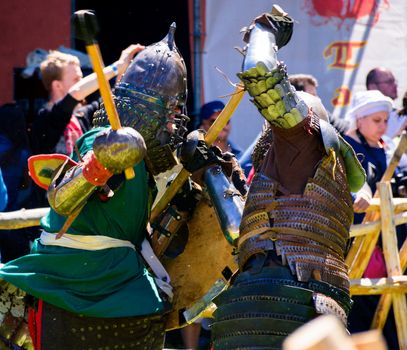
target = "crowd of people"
x: 65, y: 126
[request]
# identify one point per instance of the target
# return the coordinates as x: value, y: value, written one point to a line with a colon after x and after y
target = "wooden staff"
x: 383, y: 307
x: 210, y: 137
x: 86, y: 27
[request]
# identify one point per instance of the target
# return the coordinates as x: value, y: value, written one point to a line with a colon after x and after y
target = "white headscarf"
x: 365, y: 103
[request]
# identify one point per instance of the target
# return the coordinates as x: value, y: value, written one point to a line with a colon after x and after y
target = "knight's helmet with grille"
x: 151, y: 98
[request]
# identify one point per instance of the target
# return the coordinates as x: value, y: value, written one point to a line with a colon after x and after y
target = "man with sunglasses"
x: 382, y: 79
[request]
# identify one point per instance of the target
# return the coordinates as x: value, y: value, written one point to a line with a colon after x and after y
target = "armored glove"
x: 237, y: 175
x: 264, y: 77
x: 196, y: 156
x: 113, y: 152
x: 119, y: 149
x: 277, y: 22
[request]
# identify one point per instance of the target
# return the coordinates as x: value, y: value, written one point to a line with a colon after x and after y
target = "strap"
x: 83, y: 242
x: 329, y: 136
x: 162, y: 277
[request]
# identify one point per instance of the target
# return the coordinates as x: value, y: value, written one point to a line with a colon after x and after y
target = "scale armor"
x: 297, y: 216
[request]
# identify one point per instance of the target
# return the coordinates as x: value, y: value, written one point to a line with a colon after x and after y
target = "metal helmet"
x: 151, y: 98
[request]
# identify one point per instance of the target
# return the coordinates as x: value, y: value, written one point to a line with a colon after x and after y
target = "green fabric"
x: 105, y: 283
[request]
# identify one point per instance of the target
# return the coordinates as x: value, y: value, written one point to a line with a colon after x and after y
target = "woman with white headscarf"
x: 368, y: 119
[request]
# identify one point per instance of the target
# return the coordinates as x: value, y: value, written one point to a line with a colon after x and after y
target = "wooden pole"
x: 375, y: 286
x: 22, y: 218
x: 383, y: 307
x: 391, y: 256
x: 372, y: 227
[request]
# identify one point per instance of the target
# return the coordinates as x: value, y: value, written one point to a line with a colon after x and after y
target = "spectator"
x: 3, y: 193
x: 382, y: 79
x: 368, y: 119
x: 14, y: 152
x: 65, y: 117
x: 304, y: 82
x: 208, y: 114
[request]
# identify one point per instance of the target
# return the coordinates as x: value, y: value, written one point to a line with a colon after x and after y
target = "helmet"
x: 151, y: 98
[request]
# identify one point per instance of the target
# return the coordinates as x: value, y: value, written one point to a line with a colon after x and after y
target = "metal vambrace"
x: 227, y: 201
x: 266, y: 79
x: 70, y: 189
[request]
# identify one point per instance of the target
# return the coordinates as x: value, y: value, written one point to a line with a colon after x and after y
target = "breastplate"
x: 308, y: 231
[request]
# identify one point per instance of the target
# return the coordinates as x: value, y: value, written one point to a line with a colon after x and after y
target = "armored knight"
x: 91, y: 286
x: 298, y: 212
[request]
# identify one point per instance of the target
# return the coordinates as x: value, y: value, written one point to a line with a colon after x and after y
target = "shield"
x: 202, y: 270
x: 42, y: 167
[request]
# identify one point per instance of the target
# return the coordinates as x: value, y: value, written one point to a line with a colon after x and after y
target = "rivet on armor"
x: 83, y: 338
x: 115, y: 334
x: 99, y: 336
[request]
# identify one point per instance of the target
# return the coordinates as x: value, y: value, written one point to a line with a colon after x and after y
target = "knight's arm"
x: 227, y: 201
x: 71, y: 188
x: 112, y: 152
x: 266, y: 80
x: 222, y: 177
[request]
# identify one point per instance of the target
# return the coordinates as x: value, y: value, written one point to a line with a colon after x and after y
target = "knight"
x: 296, y: 220
x: 88, y: 283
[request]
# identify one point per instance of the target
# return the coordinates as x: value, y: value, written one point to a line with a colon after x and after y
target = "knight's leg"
x: 60, y: 329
